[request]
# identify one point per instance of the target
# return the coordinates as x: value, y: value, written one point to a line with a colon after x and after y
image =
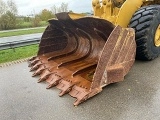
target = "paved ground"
x: 137, y: 98
x: 20, y: 37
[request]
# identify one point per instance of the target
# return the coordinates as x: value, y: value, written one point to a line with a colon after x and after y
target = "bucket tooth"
x: 65, y: 87
x: 45, y: 74
x: 32, y: 63
x: 52, y: 85
x: 53, y: 80
x: 33, y: 58
x: 80, y: 94
x: 34, y: 74
x: 39, y: 71
x: 36, y: 66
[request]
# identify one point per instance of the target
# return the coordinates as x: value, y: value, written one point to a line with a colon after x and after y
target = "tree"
x: 45, y: 15
x: 3, y: 7
x: 70, y: 11
x: 12, y: 7
x: 7, y: 21
x: 36, y: 21
x: 54, y: 9
x: 26, y: 19
x: 62, y: 8
x: 8, y: 14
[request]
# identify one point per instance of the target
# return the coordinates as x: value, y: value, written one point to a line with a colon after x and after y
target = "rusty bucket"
x: 82, y: 56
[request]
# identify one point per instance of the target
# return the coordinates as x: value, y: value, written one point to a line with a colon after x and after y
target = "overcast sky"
x: 26, y: 7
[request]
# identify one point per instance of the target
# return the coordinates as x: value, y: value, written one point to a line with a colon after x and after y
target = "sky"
x: 27, y: 7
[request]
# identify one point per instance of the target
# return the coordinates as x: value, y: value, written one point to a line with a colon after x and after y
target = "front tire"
x: 145, y: 22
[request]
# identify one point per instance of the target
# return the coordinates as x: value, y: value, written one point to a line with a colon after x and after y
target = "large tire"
x: 145, y: 22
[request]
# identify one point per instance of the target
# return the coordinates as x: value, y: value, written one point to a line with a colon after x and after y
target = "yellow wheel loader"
x: 82, y: 54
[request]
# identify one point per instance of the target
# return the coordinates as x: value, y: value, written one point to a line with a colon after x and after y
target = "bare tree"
x: 59, y: 10
x: 3, y: 7
x: 54, y: 9
x: 12, y: 7
x: 62, y: 8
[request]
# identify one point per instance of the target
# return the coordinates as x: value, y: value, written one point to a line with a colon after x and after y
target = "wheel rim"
x: 157, y: 37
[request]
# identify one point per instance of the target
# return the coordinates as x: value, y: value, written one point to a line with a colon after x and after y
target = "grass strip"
x: 18, y: 53
x: 21, y: 32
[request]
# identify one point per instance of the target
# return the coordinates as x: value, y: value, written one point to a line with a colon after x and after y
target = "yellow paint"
x: 118, y: 15
x: 157, y: 37
x: 76, y: 15
x: 97, y: 8
x: 126, y: 12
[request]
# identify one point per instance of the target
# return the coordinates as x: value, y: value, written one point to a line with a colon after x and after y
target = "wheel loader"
x: 80, y: 54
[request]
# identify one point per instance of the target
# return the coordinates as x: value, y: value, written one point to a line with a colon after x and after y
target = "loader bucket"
x: 82, y: 56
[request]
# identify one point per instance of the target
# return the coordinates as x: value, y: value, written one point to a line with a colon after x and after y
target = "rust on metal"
x: 82, y: 56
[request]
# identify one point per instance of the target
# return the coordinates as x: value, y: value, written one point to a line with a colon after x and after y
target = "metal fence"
x: 16, y: 44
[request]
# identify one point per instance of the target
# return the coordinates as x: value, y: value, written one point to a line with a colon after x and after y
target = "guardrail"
x: 16, y: 44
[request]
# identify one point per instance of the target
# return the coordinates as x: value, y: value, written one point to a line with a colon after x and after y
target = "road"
x: 20, y: 37
x: 136, y: 98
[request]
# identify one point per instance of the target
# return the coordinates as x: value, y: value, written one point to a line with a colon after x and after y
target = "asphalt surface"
x: 20, y: 37
x: 136, y: 98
